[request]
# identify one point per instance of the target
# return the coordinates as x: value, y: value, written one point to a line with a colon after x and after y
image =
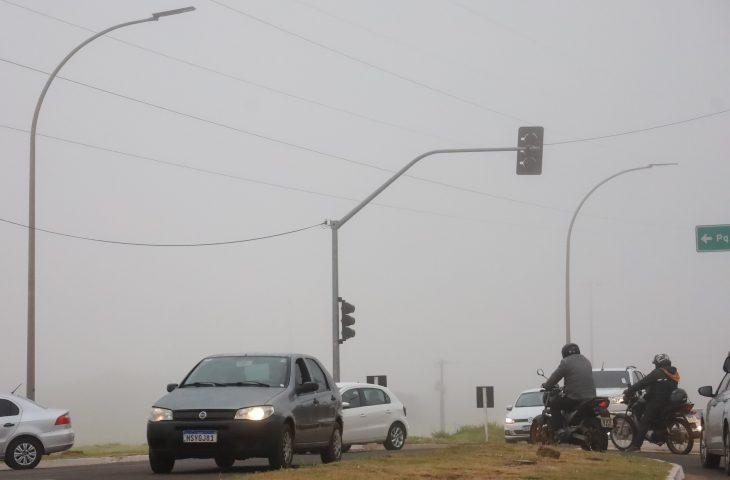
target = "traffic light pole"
x: 335, y: 225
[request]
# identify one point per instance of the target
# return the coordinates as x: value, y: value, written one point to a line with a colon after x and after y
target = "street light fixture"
x: 30, y: 380
x: 570, y: 235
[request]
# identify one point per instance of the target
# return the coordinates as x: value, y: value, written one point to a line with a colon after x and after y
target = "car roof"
x: 342, y: 385
x: 530, y: 390
x: 260, y: 354
x: 611, y: 369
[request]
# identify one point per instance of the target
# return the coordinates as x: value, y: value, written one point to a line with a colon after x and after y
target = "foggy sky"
x: 472, y: 279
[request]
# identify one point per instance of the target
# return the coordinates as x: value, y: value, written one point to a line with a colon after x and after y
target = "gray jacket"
x: 577, y: 373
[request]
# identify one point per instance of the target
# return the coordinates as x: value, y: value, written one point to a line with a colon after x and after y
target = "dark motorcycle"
x: 671, y: 426
x: 588, y: 425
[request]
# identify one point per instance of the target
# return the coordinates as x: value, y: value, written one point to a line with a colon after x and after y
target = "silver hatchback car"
x: 29, y: 431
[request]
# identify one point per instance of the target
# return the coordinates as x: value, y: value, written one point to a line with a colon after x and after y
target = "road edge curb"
x: 676, y: 472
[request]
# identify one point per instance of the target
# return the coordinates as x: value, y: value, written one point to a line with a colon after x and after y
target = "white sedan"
x: 29, y: 431
x: 372, y: 414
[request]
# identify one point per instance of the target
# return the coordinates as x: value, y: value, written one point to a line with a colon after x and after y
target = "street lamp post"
x: 335, y: 225
x: 30, y: 380
x: 570, y: 235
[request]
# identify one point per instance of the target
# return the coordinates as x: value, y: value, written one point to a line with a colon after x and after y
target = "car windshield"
x: 240, y: 371
x: 530, y: 399
x: 611, y: 379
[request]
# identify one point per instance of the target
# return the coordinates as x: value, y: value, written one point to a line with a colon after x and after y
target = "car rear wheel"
x: 23, y: 453
x: 726, y: 438
x: 396, y: 437
x: 707, y: 459
x: 161, y: 463
x: 333, y: 452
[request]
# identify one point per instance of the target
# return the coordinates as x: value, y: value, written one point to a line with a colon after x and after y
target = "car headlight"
x: 160, y: 414
x: 617, y: 399
x: 255, y: 413
x: 509, y: 420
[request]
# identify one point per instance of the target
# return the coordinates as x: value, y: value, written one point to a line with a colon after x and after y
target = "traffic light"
x: 347, y: 321
x: 529, y: 155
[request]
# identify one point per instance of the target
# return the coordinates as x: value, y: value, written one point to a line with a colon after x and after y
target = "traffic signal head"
x: 529, y: 155
x: 347, y: 321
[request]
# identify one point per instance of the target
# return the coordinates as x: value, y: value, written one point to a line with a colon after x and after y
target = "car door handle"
x: 363, y: 415
x: 388, y: 412
x: 8, y: 425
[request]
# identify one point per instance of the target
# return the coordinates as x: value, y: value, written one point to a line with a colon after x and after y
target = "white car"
x: 519, y: 416
x: 372, y: 414
x: 715, y: 437
x: 29, y: 431
x: 611, y: 383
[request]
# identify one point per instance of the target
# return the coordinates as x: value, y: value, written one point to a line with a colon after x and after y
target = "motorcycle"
x: 671, y: 426
x: 588, y: 425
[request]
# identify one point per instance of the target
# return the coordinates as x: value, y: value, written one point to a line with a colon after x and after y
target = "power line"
x: 369, y: 64
x: 240, y: 79
x: 641, y: 130
x: 256, y: 181
x: 147, y: 244
x: 276, y: 140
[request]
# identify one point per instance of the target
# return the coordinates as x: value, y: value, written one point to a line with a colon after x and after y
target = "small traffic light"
x: 529, y: 155
x: 347, y: 321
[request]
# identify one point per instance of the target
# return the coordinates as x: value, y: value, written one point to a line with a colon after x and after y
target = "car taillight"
x: 604, y: 403
x: 64, y: 419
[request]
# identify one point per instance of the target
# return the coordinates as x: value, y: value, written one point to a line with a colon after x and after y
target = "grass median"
x: 495, y: 460
x: 102, y: 450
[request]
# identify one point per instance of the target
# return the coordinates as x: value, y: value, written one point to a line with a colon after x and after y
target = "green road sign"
x: 712, y: 238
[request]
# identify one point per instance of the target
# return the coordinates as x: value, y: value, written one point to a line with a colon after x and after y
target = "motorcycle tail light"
x: 604, y: 403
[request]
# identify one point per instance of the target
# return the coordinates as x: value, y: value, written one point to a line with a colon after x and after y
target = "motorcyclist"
x: 659, y: 385
x: 577, y: 374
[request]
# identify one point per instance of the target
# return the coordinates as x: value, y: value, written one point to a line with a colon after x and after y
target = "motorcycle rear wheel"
x: 623, y: 432
x: 679, y: 436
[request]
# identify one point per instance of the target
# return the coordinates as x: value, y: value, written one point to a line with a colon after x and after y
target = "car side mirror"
x: 509, y: 408
x: 171, y: 386
x: 706, y: 391
x: 345, y: 405
x: 726, y: 365
x: 306, y: 387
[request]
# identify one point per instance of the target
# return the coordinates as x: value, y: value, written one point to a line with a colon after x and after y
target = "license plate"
x: 200, y: 436
x: 606, y: 422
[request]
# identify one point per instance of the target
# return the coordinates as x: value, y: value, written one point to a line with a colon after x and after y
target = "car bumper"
x: 58, y: 440
x: 517, y: 431
x: 240, y: 439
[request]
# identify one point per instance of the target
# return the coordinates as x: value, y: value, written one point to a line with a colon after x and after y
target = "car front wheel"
x: 23, y: 454
x: 707, y: 459
x: 283, y: 453
x: 396, y: 437
x: 161, y: 463
x: 333, y: 452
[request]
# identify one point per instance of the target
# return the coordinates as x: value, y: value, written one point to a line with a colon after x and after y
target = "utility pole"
x: 529, y: 162
x: 442, y: 397
x: 30, y: 351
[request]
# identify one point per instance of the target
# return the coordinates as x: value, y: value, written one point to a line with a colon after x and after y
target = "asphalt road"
x: 690, y: 464
x: 187, y: 469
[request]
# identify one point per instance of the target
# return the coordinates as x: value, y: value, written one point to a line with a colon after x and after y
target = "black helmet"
x: 570, y: 349
x: 661, y: 360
